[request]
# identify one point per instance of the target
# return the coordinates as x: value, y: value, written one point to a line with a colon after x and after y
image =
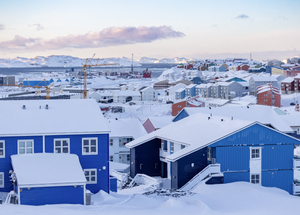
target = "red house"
x: 188, y: 66
x: 287, y: 85
x: 194, y: 102
x: 297, y: 83
x: 268, y: 95
x: 154, y: 123
x: 244, y: 67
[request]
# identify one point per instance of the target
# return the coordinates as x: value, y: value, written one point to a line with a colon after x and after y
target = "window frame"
x: 62, y: 139
x: 90, y: 170
x: 89, y: 153
x: 111, y: 141
x: 172, y: 147
x: 3, y: 148
x: 26, y: 140
x: 2, y: 174
x: 255, y: 158
x: 259, y: 178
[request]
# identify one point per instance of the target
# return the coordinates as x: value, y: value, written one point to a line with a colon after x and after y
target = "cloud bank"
x: 242, y: 16
x: 112, y: 36
x: 38, y: 27
x: 2, y: 27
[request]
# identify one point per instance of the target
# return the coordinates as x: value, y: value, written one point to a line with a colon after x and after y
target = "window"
x: 111, y: 142
x: 209, y: 154
x: 1, y: 179
x: 89, y: 146
x: 182, y: 146
x: 61, y: 146
x: 2, y: 149
x: 129, y: 139
x: 91, y: 176
x: 165, y: 145
x: 25, y: 147
x: 111, y: 158
x: 298, y: 130
x: 128, y: 157
x: 255, y: 178
x: 172, y: 147
x: 255, y: 153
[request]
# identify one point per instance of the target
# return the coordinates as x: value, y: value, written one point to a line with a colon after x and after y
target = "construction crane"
x: 89, y: 64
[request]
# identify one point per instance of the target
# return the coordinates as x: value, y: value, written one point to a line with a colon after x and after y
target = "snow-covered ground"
x: 234, y: 198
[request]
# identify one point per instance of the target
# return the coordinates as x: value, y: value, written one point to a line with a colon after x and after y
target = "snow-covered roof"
x: 187, y: 131
x: 160, y: 121
x: 127, y: 93
x: 291, y: 119
x: 47, y: 169
x: 146, y: 88
x: 263, y: 78
x: 117, y: 166
x: 205, y: 85
x: 191, y: 86
x: 219, y: 102
x: 263, y: 114
x: 62, y: 116
x: 288, y: 80
x: 130, y: 127
x: 180, y: 90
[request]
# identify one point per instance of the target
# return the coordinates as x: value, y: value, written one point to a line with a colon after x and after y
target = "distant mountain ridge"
x: 69, y: 61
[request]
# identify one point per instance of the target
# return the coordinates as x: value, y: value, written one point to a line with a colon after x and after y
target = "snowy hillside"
x: 147, y: 60
x: 61, y: 61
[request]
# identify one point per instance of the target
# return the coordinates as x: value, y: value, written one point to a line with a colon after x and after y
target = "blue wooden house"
x: 190, y: 90
x: 62, y: 181
x: 214, y: 150
x: 259, y: 70
x: 180, y: 93
x: 55, y: 126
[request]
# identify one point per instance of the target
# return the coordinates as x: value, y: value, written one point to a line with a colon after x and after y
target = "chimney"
x: 24, y: 107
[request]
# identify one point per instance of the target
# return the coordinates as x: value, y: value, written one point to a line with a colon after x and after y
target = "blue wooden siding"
x: 254, y: 136
x: 277, y: 157
x: 11, y: 148
x: 52, y: 195
x: 88, y: 161
x: 113, y: 186
x: 236, y: 176
x: 185, y: 170
x: 146, y: 159
x: 233, y: 158
x: 281, y: 179
x: 182, y: 114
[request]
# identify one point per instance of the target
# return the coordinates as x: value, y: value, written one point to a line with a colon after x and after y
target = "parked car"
x: 292, y: 104
x: 132, y: 103
x: 169, y: 102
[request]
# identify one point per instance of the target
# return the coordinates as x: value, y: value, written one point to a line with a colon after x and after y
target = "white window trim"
x: 89, y: 170
x: 90, y: 153
x: 3, y: 156
x: 2, y: 173
x: 259, y: 158
x: 68, y: 139
x: 259, y: 178
x: 25, y: 145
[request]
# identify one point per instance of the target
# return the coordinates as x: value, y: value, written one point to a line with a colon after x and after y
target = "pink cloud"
x: 2, y: 27
x: 112, y: 36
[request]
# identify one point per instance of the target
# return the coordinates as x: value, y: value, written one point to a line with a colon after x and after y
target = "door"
x: 255, y: 165
x: 164, y: 170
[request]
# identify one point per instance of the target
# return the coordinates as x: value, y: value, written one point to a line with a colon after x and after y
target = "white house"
x: 123, y: 131
x: 126, y: 96
x: 148, y: 94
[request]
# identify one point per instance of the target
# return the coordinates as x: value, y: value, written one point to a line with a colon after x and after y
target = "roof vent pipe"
x: 208, y: 118
x: 24, y: 107
x: 221, y: 120
x: 47, y: 107
x: 231, y: 118
x: 211, y: 114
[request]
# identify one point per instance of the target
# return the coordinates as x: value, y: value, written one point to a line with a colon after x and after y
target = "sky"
x: 198, y: 29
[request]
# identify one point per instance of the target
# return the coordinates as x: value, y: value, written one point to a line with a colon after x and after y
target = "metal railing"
x: 122, y: 178
x: 204, y: 175
x: 142, y: 179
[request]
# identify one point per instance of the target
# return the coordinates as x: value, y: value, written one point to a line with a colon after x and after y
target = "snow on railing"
x: 142, y: 179
x: 296, y: 162
x: 206, y: 173
x: 296, y: 189
x: 123, y: 178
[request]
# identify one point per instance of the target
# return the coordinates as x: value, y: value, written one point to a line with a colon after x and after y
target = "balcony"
x: 163, y: 154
